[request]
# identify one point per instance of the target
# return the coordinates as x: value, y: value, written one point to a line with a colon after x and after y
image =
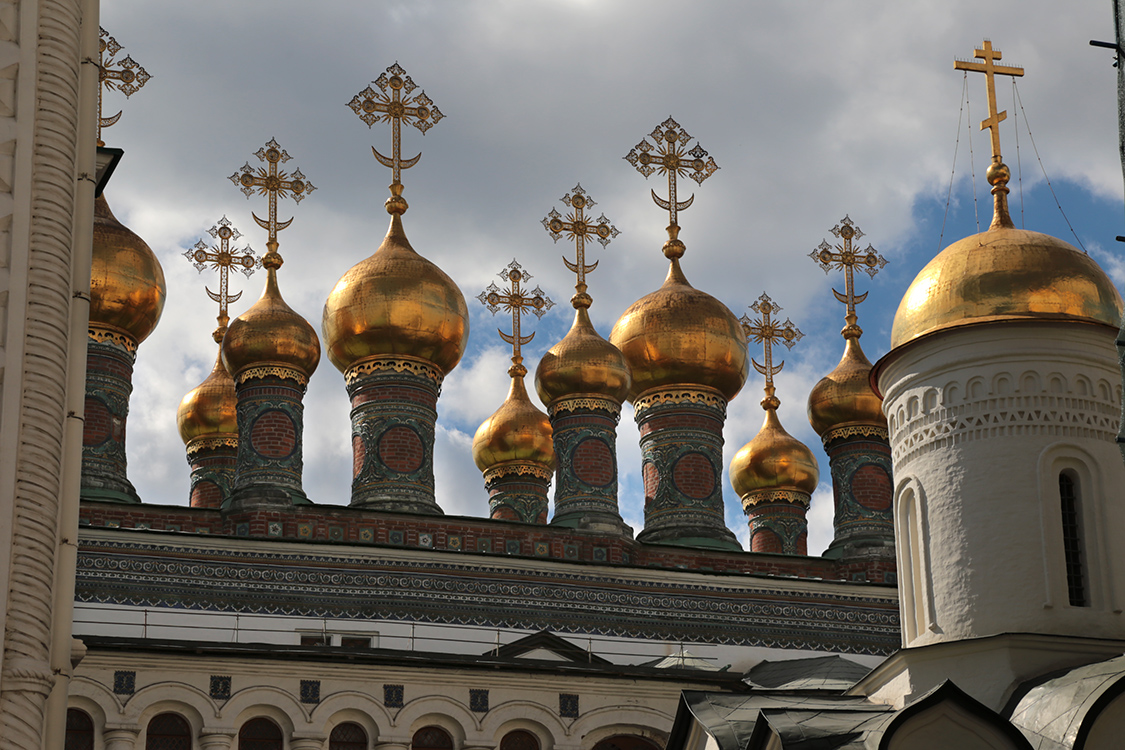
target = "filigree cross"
x: 671, y: 158
x: 128, y: 78
x: 272, y: 182
x: 990, y: 70
x: 398, y: 107
x: 767, y: 332
x: 578, y: 227
x: 222, y: 259
x: 847, y: 259
x: 517, y: 301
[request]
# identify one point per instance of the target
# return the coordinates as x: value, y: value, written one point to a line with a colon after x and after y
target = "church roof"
x: 1056, y: 712
x: 820, y: 673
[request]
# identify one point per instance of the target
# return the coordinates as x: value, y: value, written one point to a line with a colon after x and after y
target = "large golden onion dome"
x: 774, y: 460
x: 679, y: 335
x: 127, y: 287
x: 516, y: 433
x: 1005, y: 274
x: 583, y: 362
x: 271, y: 333
x: 210, y: 409
x: 844, y: 397
x: 396, y: 303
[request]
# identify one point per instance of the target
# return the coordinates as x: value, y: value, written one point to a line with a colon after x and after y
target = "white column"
x: 121, y: 736
x: 216, y: 739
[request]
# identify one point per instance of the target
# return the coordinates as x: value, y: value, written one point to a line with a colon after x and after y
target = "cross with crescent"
x: 990, y: 70
x: 517, y: 302
x: 378, y: 106
x: 272, y: 182
x: 127, y: 79
x: 767, y: 332
x: 847, y: 259
x: 672, y: 158
x: 578, y: 227
x: 222, y: 259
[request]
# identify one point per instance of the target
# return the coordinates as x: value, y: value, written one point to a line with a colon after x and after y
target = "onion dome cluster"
x: 517, y: 436
x: 210, y: 409
x: 773, y: 461
x: 127, y: 289
x: 844, y: 397
x: 583, y: 363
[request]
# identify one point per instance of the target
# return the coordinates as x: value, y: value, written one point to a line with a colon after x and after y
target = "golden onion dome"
x: 271, y: 333
x: 679, y: 335
x: 583, y: 362
x: 1005, y: 274
x: 211, y: 407
x: 127, y: 289
x: 396, y: 303
x: 774, y: 460
x: 516, y: 432
x: 844, y: 396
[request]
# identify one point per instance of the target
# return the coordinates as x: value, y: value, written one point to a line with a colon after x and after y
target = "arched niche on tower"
x: 912, y: 536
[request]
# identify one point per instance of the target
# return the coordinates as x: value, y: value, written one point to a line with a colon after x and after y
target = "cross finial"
x: 846, y: 258
x: 398, y: 107
x: 128, y: 78
x: 272, y: 182
x: 222, y: 259
x: 673, y: 159
x: 990, y: 70
x: 578, y: 227
x: 516, y: 301
x: 767, y: 332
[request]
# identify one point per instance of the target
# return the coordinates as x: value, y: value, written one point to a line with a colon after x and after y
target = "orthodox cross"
x: 378, y: 106
x: 127, y: 79
x: 990, y: 70
x: 517, y: 302
x: 847, y: 258
x: 273, y: 183
x: 673, y: 159
x: 222, y: 259
x: 578, y: 227
x: 767, y: 332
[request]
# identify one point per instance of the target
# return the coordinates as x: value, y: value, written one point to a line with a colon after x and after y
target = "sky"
x: 812, y: 111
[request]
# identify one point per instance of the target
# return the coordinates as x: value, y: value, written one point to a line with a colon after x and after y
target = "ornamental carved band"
x: 394, y: 413
x: 270, y: 427
x: 212, y: 474
x: 109, y: 383
x: 517, y: 492
x: 774, y: 530
x: 586, y: 465
x: 862, y: 490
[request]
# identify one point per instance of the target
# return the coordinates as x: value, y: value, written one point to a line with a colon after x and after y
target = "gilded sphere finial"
x: 396, y: 205
x: 998, y: 173
x: 673, y: 247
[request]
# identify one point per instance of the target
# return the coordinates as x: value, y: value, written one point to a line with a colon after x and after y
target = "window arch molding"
x: 438, y: 711
x: 153, y: 702
x: 353, y: 707
x: 515, y: 716
x: 912, y: 549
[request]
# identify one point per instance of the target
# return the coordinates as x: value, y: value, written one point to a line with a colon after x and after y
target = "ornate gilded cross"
x: 419, y: 111
x: 578, y: 227
x: 673, y: 159
x: 222, y: 259
x: 517, y: 302
x: 767, y: 332
x: 990, y: 70
x: 846, y: 259
x: 272, y: 182
x: 127, y: 79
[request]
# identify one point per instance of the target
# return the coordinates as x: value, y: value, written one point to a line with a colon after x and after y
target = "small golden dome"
x: 1005, y: 274
x: 396, y: 302
x: 127, y: 287
x: 271, y: 333
x: 679, y: 335
x: 516, y: 432
x: 844, y: 396
x: 583, y: 362
x: 211, y: 407
x: 774, y: 460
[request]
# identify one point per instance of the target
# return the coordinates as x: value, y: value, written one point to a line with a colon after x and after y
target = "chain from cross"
x: 847, y: 259
x: 272, y: 182
x: 128, y: 79
x: 378, y: 106
x: 990, y: 70
x: 518, y: 302
x: 578, y: 227
x: 672, y: 158
x: 222, y: 259
x: 767, y: 332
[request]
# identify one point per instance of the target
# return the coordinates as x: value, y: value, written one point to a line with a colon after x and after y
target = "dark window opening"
x: 168, y: 732
x: 1072, y: 541
x: 316, y: 639
x: 259, y: 734
x: 519, y: 740
x: 431, y: 738
x: 347, y: 736
x: 355, y: 641
x: 79, y: 730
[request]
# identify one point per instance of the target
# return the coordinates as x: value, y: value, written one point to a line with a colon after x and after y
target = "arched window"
x: 347, y: 736
x: 259, y: 734
x: 626, y: 742
x: 168, y: 732
x: 79, y: 730
x: 520, y: 739
x: 431, y: 738
x: 1072, y: 540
